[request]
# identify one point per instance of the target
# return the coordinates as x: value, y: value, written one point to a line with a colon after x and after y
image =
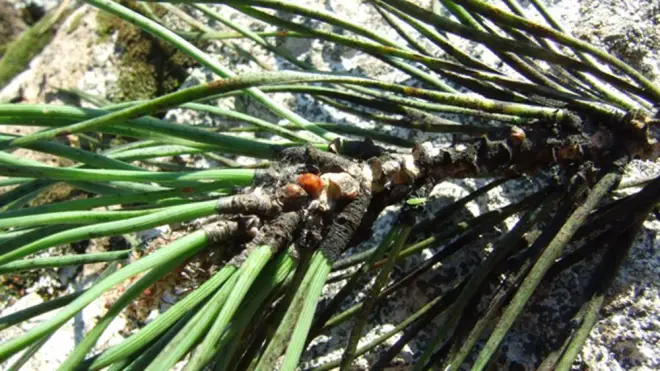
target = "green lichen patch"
x: 148, y: 67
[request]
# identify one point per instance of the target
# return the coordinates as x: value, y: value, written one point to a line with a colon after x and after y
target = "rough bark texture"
x: 358, y: 149
x: 251, y: 203
x: 280, y: 232
x: 325, y: 162
x: 265, y: 176
x: 221, y: 231
x: 525, y: 151
x: 344, y: 226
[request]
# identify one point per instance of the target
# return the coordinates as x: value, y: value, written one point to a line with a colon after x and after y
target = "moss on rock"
x: 148, y: 67
x: 11, y: 25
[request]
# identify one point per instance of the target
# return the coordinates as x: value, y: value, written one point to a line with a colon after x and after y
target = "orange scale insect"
x: 311, y: 183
